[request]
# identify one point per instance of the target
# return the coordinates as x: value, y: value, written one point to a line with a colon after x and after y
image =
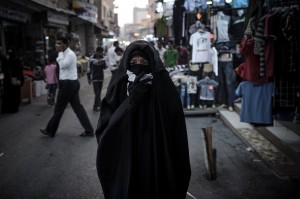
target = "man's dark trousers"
x: 97, y: 85
x: 68, y: 93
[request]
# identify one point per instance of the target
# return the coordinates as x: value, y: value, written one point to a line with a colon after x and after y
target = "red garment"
x: 183, y: 55
x: 251, y: 69
x: 28, y: 73
x: 240, y: 70
x: 270, y: 24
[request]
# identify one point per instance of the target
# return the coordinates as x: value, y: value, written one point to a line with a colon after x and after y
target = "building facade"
x: 32, y: 26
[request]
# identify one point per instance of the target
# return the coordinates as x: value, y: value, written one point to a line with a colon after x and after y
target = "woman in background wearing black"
x: 12, y: 83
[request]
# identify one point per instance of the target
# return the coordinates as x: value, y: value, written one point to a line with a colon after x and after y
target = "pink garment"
x: 50, y: 72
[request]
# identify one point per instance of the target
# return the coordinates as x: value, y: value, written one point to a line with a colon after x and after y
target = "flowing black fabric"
x: 11, y: 67
x: 143, y: 153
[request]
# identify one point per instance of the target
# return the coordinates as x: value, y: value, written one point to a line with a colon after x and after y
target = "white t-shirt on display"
x: 201, y: 44
x: 192, y: 85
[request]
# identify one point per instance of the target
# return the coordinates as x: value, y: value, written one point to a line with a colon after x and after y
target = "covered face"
x: 139, y: 62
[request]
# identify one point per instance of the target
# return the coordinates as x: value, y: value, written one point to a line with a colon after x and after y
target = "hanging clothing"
x: 271, y: 33
x: 222, y: 25
x: 251, y: 67
x: 162, y: 27
x: 219, y: 25
x: 227, y: 83
x: 196, y: 26
x: 259, y: 45
x: 255, y: 10
x: 192, y: 5
x: 256, y: 102
x: 178, y: 21
x: 214, y: 60
x: 220, y: 3
x: 291, y: 32
x: 236, y: 28
x: 207, y: 88
x: 239, y: 3
x: 201, y: 45
x: 192, y: 84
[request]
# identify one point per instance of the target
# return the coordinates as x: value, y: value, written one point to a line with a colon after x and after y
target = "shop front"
x: 12, y: 38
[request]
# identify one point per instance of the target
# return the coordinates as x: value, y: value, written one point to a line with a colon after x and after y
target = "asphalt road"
x: 35, y: 166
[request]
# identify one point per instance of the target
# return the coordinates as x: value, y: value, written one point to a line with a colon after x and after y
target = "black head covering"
x: 140, y: 53
x: 143, y: 154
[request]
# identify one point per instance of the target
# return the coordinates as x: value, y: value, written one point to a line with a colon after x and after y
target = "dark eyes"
x: 139, y: 61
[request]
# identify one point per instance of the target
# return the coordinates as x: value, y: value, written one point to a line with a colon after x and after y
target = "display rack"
x: 287, y: 94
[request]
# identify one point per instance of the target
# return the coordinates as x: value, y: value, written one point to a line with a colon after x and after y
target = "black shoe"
x: 87, y: 134
x: 45, y: 132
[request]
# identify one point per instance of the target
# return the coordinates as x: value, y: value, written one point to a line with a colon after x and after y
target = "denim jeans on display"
x: 227, y: 83
x: 184, y: 95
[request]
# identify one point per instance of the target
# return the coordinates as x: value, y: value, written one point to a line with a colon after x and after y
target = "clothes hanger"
x: 201, y: 30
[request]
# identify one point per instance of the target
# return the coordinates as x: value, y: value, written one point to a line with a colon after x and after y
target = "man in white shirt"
x: 68, y: 91
x: 161, y: 50
x: 112, y: 58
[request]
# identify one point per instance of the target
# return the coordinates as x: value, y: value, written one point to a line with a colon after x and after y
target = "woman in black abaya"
x: 12, y: 68
x: 143, y: 147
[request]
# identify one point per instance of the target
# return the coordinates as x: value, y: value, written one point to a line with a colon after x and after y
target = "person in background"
x: 95, y: 75
x: 119, y: 51
x: 170, y: 55
x: 12, y: 82
x: 183, y: 55
x: 51, y: 79
x: 141, y: 133
x: 161, y: 50
x: 68, y: 91
x: 112, y: 57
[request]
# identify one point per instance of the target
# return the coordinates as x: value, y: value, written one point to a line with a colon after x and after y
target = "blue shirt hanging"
x: 239, y: 3
x: 191, y: 5
x: 218, y: 2
x: 256, y: 102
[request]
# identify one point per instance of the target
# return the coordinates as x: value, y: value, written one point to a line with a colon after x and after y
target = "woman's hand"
x: 137, y: 91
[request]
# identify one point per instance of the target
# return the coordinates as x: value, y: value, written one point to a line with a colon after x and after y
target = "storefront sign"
x: 12, y: 14
x: 57, y: 18
x: 85, y: 10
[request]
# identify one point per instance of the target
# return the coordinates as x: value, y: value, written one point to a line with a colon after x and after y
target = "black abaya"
x: 143, y: 153
x: 11, y: 93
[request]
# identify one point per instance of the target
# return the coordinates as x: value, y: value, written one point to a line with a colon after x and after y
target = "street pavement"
x: 35, y: 166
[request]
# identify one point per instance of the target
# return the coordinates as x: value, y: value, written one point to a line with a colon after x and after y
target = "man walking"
x: 68, y: 91
x: 95, y: 75
x: 112, y: 58
x: 161, y: 50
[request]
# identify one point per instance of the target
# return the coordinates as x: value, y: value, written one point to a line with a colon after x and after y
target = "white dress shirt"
x: 161, y: 53
x: 112, y: 58
x: 67, y: 62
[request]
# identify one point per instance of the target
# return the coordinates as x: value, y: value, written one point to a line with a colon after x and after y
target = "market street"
x: 36, y: 166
